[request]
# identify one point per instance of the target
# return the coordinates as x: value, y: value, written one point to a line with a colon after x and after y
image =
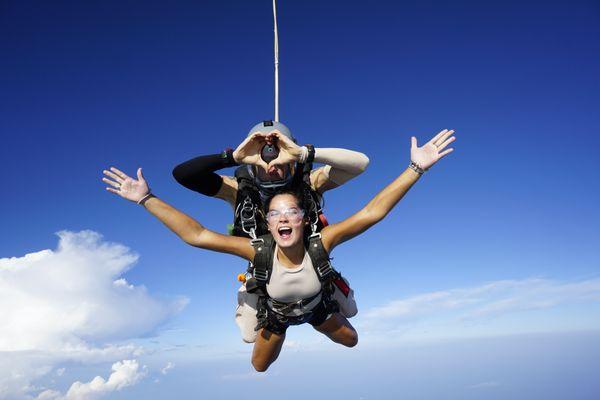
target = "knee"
x: 351, y: 339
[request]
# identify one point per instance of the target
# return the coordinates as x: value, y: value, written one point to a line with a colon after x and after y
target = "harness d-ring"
x: 248, y: 217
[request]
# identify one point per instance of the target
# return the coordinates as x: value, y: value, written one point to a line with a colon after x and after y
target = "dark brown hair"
x: 297, y: 194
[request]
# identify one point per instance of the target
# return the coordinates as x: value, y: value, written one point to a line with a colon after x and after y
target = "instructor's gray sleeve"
x: 341, y: 164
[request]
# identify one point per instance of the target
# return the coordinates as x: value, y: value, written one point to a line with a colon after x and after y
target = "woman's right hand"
x: 248, y: 152
x: 125, y: 186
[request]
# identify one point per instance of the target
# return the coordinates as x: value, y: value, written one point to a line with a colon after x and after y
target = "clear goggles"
x: 291, y: 214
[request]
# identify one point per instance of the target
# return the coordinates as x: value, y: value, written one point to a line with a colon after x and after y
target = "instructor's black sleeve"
x: 198, y: 174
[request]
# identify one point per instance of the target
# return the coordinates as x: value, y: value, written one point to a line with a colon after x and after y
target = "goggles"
x: 291, y: 214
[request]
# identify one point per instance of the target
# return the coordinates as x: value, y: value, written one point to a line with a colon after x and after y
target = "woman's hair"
x: 299, y: 195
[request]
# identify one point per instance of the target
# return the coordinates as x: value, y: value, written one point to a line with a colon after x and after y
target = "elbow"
x: 359, y: 164
x: 190, y: 239
x: 362, y: 162
x: 194, y: 236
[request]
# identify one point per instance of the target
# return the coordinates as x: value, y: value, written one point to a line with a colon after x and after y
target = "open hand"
x: 428, y: 154
x: 248, y: 152
x: 125, y: 186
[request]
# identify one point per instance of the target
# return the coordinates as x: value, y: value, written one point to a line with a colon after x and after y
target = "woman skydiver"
x: 287, y: 224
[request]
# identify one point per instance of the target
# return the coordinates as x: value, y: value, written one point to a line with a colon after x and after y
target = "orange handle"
x: 242, y: 278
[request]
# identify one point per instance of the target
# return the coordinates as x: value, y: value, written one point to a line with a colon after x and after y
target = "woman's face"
x: 286, y: 221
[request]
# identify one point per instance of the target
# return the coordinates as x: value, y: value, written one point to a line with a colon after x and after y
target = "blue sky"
x: 497, y: 241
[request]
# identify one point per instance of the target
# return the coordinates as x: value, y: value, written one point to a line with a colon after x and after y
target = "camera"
x: 269, y: 152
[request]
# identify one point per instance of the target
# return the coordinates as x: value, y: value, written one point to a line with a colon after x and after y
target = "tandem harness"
x: 276, y: 316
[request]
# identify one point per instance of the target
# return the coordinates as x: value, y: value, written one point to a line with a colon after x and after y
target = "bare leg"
x: 338, y: 329
x: 266, y: 349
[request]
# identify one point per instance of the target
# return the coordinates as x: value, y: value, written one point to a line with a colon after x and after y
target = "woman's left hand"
x: 428, y: 154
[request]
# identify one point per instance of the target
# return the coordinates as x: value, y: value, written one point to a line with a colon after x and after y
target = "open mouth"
x: 285, y: 232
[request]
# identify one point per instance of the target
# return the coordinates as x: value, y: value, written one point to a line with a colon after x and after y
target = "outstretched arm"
x: 187, y: 228
x: 422, y: 158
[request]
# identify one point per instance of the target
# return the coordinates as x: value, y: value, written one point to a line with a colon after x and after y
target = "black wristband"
x: 311, y: 153
x: 227, y: 156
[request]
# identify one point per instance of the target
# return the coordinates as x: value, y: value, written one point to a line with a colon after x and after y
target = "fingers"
x: 139, y: 175
x: 284, y: 141
x: 413, y: 142
x: 443, y: 137
x: 436, y: 137
x: 113, y: 176
x: 275, y: 162
x: 121, y: 174
x: 113, y: 190
x: 443, y: 153
x: 263, y: 165
x: 446, y: 143
x: 258, y: 137
x: 252, y: 138
x: 111, y: 183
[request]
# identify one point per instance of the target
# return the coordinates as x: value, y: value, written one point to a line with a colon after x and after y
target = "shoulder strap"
x: 320, y: 258
x: 315, y: 200
x: 242, y: 172
x: 248, y: 206
x: 302, y: 174
x: 264, y: 247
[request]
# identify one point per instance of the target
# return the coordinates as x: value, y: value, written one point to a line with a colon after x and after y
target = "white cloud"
x: 167, y: 368
x: 455, y: 312
x: 71, y: 304
x: 125, y: 373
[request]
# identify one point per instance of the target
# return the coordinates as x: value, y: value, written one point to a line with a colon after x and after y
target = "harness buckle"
x: 261, y: 274
x: 325, y: 269
x: 256, y: 241
x: 315, y: 235
x: 247, y: 215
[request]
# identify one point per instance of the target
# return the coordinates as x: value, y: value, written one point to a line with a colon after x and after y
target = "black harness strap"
x: 320, y: 258
x: 248, y: 213
x: 264, y: 248
x: 262, y: 267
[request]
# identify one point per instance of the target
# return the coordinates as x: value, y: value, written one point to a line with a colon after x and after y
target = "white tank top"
x: 293, y: 284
